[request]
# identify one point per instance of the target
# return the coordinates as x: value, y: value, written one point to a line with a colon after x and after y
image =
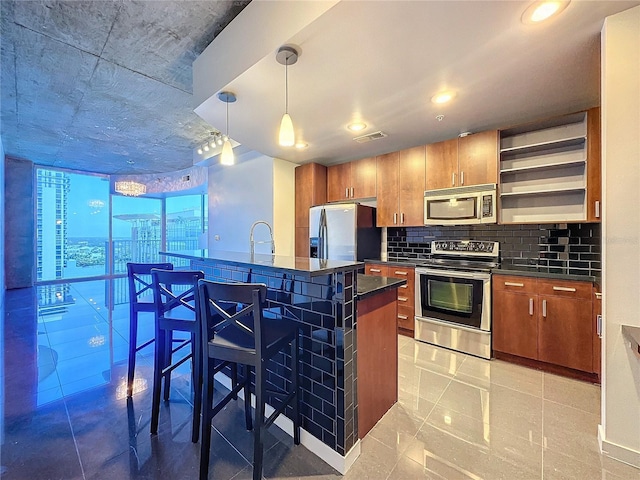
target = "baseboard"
x: 339, y: 462
x: 618, y: 452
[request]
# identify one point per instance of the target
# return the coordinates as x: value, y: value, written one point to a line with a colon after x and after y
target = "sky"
x: 88, y: 208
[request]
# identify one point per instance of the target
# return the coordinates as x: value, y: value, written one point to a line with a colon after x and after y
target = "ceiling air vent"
x: 369, y: 137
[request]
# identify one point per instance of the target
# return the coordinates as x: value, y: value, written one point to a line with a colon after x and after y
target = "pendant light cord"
x: 227, y: 120
x: 286, y: 85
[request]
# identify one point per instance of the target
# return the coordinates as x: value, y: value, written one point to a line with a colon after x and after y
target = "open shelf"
x: 547, y: 145
x: 546, y: 191
x: 543, y: 171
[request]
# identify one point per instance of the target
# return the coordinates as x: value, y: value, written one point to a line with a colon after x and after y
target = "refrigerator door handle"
x: 323, y: 249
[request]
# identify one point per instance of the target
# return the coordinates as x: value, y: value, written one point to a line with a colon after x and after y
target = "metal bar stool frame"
x: 138, y: 286
x: 230, y: 337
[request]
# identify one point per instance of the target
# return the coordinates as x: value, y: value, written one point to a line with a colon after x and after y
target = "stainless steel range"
x: 453, y: 295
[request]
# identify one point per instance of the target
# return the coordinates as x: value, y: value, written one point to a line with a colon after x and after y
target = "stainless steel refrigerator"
x: 344, y: 231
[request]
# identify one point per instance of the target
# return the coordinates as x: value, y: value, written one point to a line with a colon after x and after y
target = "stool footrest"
x: 222, y: 403
x: 145, y: 344
x: 172, y: 367
x: 279, y: 410
x: 182, y: 345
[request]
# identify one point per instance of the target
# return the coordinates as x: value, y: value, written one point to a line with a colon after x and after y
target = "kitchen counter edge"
x: 369, y: 285
x: 309, y: 267
x: 537, y: 274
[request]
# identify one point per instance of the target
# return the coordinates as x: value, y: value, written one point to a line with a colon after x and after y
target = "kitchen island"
x: 322, y: 295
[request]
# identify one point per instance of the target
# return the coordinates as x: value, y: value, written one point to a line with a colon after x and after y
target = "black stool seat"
x: 245, y: 337
x: 140, y: 300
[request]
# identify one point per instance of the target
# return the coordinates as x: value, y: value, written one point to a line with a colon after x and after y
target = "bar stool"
x: 140, y: 300
x: 174, y: 298
x: 245, y: 337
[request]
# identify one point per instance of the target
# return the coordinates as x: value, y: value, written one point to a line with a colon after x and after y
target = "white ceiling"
x: 381, y: 61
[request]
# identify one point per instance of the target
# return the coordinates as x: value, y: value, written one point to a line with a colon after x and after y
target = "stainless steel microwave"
x: 461, y: 205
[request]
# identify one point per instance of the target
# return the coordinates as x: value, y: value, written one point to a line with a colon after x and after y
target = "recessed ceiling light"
x: 356, y: 126
x: 301, y: 145
x: 542, y: 10
x: 443, y: 97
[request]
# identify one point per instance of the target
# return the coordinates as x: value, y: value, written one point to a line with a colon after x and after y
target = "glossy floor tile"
x: 65, y: 414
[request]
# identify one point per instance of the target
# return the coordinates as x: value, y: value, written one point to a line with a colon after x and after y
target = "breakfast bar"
x: 345, y: 317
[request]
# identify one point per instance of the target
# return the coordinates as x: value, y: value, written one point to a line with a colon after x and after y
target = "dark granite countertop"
x: 404, y: 262
x: 540, y: 272
x: 633, y: 335
x: 369, y: 285
x: 311, y: 267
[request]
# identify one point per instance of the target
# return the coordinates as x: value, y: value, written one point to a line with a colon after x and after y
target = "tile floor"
x: 64, y: 414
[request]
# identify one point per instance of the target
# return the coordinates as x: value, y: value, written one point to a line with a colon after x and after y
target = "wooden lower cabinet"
x: 406, y: 293
x: 515, y: 330
x: 377, y: 359
x: 545, y: 320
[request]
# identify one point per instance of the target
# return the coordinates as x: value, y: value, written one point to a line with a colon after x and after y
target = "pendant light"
x: 227, y: 157
x: 286, y: 56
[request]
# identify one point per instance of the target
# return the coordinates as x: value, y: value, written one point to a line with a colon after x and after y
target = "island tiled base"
x: 325, y: 307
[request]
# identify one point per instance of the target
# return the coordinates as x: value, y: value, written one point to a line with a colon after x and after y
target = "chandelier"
x: 130, y: 188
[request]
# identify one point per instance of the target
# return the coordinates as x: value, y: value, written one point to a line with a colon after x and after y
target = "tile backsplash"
x: 573, y: 248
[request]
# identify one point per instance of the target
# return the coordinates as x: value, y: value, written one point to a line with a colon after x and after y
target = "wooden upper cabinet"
x: 411, y: 186
x: 311, y: 190
x: 387, y: 188
x: 338, y: 182
x: 442, y: 164
x: 352, y: 180
x: 478, y: 158
x: 363, y: 178
x: 469, y: 160
x: 400, y: 188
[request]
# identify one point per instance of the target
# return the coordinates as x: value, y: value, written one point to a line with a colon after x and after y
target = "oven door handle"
x: 453, y: 273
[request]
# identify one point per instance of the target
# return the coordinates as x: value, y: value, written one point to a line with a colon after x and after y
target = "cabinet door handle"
x: 351, y: 192
x: 346, y: 192
x: 402, y: 317
x: 375, y: 270
x: 531, y: 306
x: 401, y: 273
x: 402, y: 218
x: 461, y: 178
x: 513, y: 284
x: 564, y: 289
x: 598, y: 295
x: 453, y: 179
x: 544, y: 308
x: 402, y: 299
x: 395, y: 218
x: 403, y: 286
x: 599, y: 325
x: 597, y: 208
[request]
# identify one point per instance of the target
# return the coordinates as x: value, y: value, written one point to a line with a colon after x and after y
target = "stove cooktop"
x: 466, y: 255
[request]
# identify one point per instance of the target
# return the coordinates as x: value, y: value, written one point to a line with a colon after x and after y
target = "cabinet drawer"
x: 406, y: 317
x: 406, y: 291
x: 376, y: 269
x: 582, y: 290
x: 404, y: 300
x: 514, y: 283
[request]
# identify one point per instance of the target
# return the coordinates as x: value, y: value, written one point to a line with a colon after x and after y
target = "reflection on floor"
x: 65, y: 415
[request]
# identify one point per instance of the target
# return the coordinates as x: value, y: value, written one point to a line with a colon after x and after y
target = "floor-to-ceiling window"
x: 72, y: 225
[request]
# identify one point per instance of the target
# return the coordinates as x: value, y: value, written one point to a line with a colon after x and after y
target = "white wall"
x: 284, y: 194
x: 261, y: 188
x: 620, y: 428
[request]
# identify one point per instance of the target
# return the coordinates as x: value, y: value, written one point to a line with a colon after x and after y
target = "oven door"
x: 461, y: 298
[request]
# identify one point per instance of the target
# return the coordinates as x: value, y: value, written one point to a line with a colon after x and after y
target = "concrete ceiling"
x: 382, y: 61
x: 105, y: 86
x: 95, y: 85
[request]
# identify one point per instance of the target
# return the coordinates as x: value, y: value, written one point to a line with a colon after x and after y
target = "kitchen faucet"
x: 252, y: 242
